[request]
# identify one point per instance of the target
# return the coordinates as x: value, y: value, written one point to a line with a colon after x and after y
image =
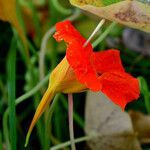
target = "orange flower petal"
x: 78, y: 57
x: 120, y: 87
x: 97, y: 70
x: 66, y: 31
x: 107, y: 61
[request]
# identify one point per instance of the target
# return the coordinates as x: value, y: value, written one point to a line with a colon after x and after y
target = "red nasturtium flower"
x: 83, y: 69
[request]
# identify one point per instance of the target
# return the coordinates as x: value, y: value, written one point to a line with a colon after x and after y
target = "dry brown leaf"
x: 110, y: 124
x: 134, y: 14
x: 8, y: 13
x: 141, y: 124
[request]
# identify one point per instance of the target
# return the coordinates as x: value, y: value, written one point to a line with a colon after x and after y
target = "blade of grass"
x: 11, y: 73
x: 49, y: 117
x: 145, y: 91
x: 1, y: 143
x: 5, y: 130
x: 60, y: 8
x: 3, y: 92
x: 57, y: 120
x: 39, y: 125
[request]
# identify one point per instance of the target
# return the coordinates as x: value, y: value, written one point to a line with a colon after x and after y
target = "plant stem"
x: 76, y: 117
x: 65, y: 144
x: 5, y: 129
x: 70, y: 115
x: 45, y: 39
x: 60, y: 8
x: 32, y: 91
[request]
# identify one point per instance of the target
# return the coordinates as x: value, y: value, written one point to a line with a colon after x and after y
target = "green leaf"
x: 134, y: 14
x: 143, y: 84
x: 145, y: 92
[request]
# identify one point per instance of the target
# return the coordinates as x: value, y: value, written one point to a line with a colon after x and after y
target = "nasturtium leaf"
x: 135, y: 14
x: 8, y: 13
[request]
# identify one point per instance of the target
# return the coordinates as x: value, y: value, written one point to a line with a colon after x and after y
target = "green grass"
x: 11, y: 73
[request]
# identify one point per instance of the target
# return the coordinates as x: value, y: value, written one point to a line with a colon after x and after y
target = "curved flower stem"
x: 45, y: 39
x: 60, y: 8
x: 81, y: 139
x: 76, y: 117
x: 33, y: 91
x: 70, y: 116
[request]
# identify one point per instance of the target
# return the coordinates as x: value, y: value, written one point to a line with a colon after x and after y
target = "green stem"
x: 11, y: 72
x: 43, y: 50
x: 33, y: 91
x: 76, y: 117
x: 1, y: 143
x: 70, y: 116
x: 3, y: 91
x: 39, y: 125
x: 5, y: 129
x: 65, y: 144
x: 45, y: 39
x: 32, y: 49
x: 60, y: 8
x: 57, y: 119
